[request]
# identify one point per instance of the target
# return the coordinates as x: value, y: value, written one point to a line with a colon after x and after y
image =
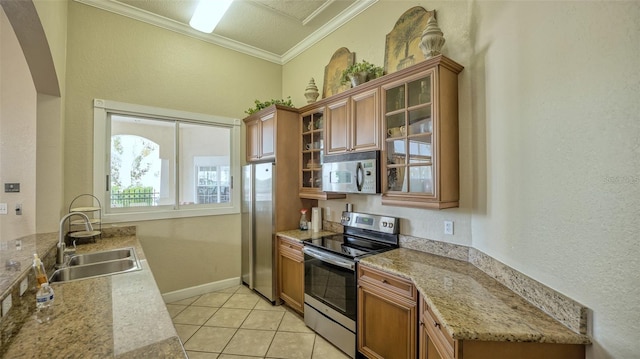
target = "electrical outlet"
x: 448, y: 227
x: 23, y: 286
x: 6, y: 305
x: 3, y: 208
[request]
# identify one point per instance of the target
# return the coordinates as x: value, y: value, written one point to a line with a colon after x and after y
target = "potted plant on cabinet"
x: 361, y: 72
x: 264, y: 104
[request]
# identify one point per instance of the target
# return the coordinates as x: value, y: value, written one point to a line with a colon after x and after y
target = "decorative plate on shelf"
x: 340, y: 60
x: 402, y: 48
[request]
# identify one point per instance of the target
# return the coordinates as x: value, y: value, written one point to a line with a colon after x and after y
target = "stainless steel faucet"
x: 61, y: 245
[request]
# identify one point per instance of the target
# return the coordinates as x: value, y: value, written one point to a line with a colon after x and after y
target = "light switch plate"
x: 3, y: 208
x: 6, y: 305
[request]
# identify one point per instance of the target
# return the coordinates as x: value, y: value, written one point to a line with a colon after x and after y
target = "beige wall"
x: 558, y: 169
x: 116, y: 58
x: 50, y: 115
x: 549, y: 133
x: 17, y: 135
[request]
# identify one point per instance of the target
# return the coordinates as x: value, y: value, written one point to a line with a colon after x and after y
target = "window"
x: 152, y: 163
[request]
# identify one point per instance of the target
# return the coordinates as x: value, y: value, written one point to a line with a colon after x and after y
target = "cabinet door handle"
x: 385, y: 281
x: 421, y: 323
x: 436, y: 324
x: 290, y: 246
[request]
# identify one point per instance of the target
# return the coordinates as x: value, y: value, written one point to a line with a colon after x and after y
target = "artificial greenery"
x: 372, y: 70
x: 264, y: 104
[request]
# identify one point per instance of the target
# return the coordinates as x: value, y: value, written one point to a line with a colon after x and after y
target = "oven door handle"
x: 328, y: 258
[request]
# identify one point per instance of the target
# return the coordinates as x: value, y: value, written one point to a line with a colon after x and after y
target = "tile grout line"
x: 253, y: 309
x: 274, y: 335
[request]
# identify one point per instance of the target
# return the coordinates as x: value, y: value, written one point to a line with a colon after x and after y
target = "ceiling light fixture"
x: 208, y: 14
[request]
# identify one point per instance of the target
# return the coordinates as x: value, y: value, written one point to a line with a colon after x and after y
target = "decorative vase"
x: 311, y: 92
x: 432, y: 40
x: 358, y: 78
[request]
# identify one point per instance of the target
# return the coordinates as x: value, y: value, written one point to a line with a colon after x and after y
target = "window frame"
x: 102, y: 160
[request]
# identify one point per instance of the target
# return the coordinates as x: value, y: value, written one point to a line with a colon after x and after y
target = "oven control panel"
x: 373, y: 222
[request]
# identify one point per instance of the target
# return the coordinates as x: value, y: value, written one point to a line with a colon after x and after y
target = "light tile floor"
x: 236, y: 323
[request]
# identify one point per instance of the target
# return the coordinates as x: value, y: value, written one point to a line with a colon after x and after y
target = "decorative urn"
x: 432, y: 40
x: 311, y: 92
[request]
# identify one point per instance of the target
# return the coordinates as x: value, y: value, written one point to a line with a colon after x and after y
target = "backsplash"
x: 444, y: 249
x: 564, y: 309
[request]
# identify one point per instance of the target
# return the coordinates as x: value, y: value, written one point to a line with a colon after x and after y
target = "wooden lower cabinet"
x: 291, y: 273
x: 436, y: 343
x: 391, y: 326
x: 387, y: 315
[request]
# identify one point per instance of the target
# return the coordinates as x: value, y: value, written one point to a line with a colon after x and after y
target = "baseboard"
x: 200, y: 289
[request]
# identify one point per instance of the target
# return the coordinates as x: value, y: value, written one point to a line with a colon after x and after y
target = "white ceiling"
x: 274, y: 30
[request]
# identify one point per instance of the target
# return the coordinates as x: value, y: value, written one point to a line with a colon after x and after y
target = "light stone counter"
x: 301, y: 236
x: 471, y: 305
x: 117, y: 316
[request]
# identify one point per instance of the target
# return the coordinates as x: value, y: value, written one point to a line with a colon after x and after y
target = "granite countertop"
x: 116, y: 316
x: 470, y: 304
x: 301, y: 236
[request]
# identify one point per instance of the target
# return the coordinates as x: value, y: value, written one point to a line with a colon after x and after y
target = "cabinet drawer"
x: 390, y: 282
x: 290, y: 247
x: 442, y: 340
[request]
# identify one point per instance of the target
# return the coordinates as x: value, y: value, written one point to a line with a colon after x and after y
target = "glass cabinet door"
x: 409, y: 133
x: 312, y: 150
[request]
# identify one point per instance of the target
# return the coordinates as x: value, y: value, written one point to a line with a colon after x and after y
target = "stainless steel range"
x: 330, y: 276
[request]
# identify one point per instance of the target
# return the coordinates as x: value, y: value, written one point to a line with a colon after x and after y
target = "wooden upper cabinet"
x: 253, y: 139
x: 337, y: 127
x: 365, y: 121
x: 268, y: 136
x: 420, y: 127
x: 312, y: 147
x: 353, y: 123
x: 263, y: 136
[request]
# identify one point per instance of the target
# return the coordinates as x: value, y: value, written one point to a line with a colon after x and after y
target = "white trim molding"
x: 200, y: 289
x: 132, y: 12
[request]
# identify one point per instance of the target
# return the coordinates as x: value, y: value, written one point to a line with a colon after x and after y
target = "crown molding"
x: 344, y: 17
x: 172, y: 25
x: 168, y: 24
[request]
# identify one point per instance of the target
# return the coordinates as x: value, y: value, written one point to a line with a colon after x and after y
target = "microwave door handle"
x: 359, y: 176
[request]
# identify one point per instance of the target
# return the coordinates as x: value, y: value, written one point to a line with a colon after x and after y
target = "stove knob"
x: 390, y: 225
x: 384, y: 224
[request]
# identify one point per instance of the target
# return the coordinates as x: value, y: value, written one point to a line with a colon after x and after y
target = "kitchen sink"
x: 88, y: 258
x: 98, y: 264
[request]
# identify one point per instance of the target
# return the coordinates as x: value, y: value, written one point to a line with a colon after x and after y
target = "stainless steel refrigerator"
x: 258, y: 228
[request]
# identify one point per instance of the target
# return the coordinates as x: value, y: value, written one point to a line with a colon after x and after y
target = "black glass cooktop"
x: 348, y: 246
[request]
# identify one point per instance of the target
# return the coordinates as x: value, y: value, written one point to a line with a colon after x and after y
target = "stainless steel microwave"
x: 357, y: 172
